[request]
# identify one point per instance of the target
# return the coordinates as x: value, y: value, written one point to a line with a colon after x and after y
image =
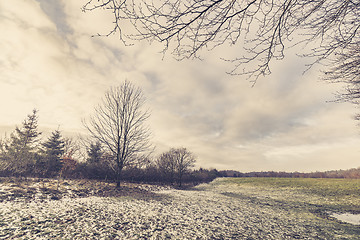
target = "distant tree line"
x: 25, y: 154
x: 118, y: 148
x: 350, y: 173
x: 172, y: 167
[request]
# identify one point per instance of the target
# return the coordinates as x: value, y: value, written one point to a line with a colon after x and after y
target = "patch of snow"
x: 347, y: 217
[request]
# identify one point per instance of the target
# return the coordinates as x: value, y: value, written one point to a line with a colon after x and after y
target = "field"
x: 227, y: 208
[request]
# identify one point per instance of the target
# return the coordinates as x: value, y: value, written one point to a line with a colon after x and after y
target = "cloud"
x: 55, y: 11
x: 282, y: 123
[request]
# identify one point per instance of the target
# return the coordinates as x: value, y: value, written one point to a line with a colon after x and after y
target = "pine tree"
x: 20, y: 151
x: 94, y: 153
x: 97, y: 162
x: 52, y: 153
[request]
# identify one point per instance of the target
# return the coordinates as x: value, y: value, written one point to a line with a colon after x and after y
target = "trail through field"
x: 209, y: 211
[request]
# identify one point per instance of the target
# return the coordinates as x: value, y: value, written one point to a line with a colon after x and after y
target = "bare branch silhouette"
x: 264, y: 27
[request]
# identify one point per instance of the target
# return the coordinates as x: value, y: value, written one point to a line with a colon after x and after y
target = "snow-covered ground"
x: 347, y: 217
x: 209, y: 211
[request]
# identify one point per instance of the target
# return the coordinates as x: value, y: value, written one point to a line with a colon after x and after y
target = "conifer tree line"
x: 26, y: 154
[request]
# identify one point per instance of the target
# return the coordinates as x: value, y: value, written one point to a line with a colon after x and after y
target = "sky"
x: 286, y: 122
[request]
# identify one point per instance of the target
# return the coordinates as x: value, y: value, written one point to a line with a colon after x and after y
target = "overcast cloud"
x: 49, y: 61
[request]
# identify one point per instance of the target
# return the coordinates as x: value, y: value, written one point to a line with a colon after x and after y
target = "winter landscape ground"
x: 227, y: 208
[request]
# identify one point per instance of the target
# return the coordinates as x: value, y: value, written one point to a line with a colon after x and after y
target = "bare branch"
x: 263, y: 27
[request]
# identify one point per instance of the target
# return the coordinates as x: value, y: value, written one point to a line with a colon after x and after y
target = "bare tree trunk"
x: 118, y: 179
x: 180, y: 178
x: 118, y: 183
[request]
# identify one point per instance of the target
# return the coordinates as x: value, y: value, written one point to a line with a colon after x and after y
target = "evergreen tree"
x: 53, y: 150
x: 20, y: 151
x: 97, y: 162
x: 94, y: 153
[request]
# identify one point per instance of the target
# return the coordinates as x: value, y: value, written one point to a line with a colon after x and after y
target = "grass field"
x: 227, y: 208
x: 327, y: 193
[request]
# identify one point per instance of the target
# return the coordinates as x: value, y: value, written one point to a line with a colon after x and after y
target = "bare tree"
x: 176, y: 162
x: 118, y: 124
x: 72, y: 148
x: 264, y: 27
x: 166, y: 164
x: 184, y: 161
